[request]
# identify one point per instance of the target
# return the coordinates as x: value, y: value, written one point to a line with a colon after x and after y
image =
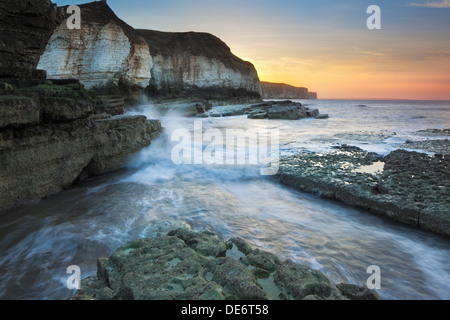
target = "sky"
x: 323, y: 45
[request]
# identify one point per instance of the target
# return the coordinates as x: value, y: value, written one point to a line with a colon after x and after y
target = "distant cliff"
x: 271, y: 90
x: 312, y: 95
x: 108, y: 53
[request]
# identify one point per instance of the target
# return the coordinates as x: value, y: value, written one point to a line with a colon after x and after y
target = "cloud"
x: 438, y: 4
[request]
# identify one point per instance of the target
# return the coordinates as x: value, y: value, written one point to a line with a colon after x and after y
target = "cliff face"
x: 25, y: 26
x: 103, y: 52
x: 51, y: 135
x: 108, y: 53
x: 271, y: 90
x: 312, y: 95
x: 42, y: 159
x: 198, y: 63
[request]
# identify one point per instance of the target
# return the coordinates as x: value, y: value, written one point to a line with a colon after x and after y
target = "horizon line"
x: 376, y: 99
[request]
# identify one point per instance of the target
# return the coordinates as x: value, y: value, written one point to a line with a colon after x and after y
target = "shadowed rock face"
x: 25, y: 27
x: 52, y: 135
x: 188, y: 265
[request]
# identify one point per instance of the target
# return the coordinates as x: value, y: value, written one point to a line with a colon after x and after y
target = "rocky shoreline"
x: 56, y: 133
x: 188, y: 265
x: 408, y: 187
x: 52, y: 133
x: 52, y: 138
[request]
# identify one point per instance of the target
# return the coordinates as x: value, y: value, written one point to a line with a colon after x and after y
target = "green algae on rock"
x: 190, y: 265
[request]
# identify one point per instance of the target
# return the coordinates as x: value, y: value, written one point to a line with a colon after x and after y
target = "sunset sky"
x: 323, y: 44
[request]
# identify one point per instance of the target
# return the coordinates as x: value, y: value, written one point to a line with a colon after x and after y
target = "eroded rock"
x: 185, y: 264
x: 408, y: 187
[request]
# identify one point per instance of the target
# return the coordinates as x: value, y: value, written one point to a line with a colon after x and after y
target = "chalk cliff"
x: 51, y: 135
x: 103, y: 52
x: 271, y: 90
x: 108, y: 53
x: 193, y: 63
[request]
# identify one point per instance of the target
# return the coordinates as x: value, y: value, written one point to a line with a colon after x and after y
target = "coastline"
x: 67, y: 124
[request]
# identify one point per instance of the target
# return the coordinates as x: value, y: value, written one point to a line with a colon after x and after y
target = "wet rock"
x: 263, y: 260
x: 184, y: 265
x: 357, y: 293
x: 282, y: 110
x: 238, y: 281
x: 241, y: 245
x: 437, y: 146
x: 298, y: 281
x: 258, y: 116
x: 312, y: 113
x: 286, y: 112
x: 435, y: 132
x: 205, y: 243
x: 410, y: 187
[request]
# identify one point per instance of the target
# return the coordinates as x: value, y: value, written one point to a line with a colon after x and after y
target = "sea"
x: 40, y: 241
